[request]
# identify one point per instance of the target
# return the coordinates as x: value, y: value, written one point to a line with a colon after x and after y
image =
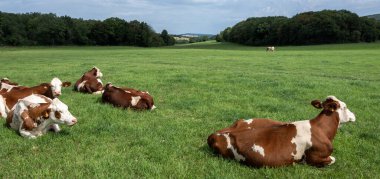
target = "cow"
x: 35, y: 114
x: 10, y: 98
x: 270, y: 143
x: 127, y: 98
x: 271, y: 49
x: 90, y: 82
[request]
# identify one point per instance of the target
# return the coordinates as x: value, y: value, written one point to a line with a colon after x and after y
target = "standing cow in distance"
x: 90, y: 82
x: 127, y: 98
x: 271, y: 49
x: 265, y: 142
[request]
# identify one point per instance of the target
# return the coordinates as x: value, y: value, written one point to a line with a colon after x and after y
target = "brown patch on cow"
x: 28, y: 122
x: 40, y: 111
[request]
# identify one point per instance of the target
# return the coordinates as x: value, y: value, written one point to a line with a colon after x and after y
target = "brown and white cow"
x: 271, y: 49
x: 10, y: 98
x: 265, y: 142
x: 90, y: 82
x: 35, y: 114
x: 127, y: 98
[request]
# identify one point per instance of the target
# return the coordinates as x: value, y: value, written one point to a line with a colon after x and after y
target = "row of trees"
x: 49, y: 29
x: 327, y: 26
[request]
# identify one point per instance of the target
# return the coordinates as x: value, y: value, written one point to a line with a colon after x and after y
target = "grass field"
x: 198, y: 89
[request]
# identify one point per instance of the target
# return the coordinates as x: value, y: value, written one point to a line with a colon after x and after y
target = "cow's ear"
x: 66, y: 84
x: 45, y: 114
x: 317, y: 104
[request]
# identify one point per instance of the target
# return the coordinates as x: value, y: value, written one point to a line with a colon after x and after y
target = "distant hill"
x: 195, y: 35
x: 375, y: 16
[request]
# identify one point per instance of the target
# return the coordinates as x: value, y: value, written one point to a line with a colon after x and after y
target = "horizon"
x: 205, y: 15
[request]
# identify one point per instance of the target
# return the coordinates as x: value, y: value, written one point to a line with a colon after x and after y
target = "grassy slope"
x: 198, y: 89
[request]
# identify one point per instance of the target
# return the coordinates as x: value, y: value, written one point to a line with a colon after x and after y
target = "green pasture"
x: 198, y: 88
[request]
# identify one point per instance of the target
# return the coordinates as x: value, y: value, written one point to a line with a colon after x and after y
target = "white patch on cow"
x: 6, y: 79
x: 81, y: 85
x: 237, y: 156
x: 248, y: 121
x: 98, y: 92
x: 302, y: 140
x: 258, y: 149
x: 135, y: 100
x: 153, y: 107
x: 100, y: 81
x: 6, y: 86
x: 33, y: 100
x: 332, y: 160
x: 3, y: 107
x: 27, y: 134
x: 128, y: 92
x: 98, y: 73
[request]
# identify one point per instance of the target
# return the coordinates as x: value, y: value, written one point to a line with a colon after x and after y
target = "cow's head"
x: 333, y: 104
x: 7, y: 81
x: 59, y: 113
x: 96, y: 72
x: 56, y: 86
x: 109, y: 87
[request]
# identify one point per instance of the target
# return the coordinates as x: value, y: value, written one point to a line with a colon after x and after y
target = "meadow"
x: 198, y: 88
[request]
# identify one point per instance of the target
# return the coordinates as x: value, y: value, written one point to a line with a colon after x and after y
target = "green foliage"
x: 168, y: 40
x: 48, y: 29
x: 198, y: 88
x: 323, y: 27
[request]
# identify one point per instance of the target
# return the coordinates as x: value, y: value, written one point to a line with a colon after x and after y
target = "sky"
x: 185, y: 16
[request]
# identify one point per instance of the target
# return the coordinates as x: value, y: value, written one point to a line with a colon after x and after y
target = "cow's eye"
x: 57, y: 114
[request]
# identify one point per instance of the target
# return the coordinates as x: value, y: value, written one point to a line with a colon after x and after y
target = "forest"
x: 30, y: 29
x: 322, y: 27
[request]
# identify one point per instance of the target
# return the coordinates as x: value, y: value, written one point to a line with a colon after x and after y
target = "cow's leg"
x: 55, y: 127
x: 320, y: 155
x: 27, y: 134
x: 87, y: 87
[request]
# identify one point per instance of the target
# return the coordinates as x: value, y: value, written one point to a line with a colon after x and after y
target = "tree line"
x: 49, y: 29
x: 322, y: 27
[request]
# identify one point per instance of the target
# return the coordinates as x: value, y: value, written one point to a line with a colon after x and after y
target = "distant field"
x: 198, y: 88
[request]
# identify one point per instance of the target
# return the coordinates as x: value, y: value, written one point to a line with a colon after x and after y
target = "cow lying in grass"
x: 127, y: 98
x: 264, y: 142
x: 35, y: 114
x: 90, y: 82
x: 10, y: 98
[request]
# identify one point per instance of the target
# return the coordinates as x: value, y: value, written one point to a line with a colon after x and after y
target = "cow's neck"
x: 327, y: 122
x: 43, y: 89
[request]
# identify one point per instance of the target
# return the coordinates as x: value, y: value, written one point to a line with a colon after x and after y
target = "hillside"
x: 375, y: 16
